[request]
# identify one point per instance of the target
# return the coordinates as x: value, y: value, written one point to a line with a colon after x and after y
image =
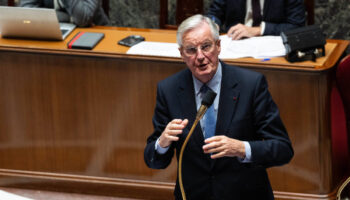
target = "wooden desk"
x: 77, y: 120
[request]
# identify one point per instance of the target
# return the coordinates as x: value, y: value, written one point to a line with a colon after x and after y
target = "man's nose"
x: 200, y: 54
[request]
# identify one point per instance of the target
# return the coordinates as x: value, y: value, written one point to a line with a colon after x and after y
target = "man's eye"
x: 191, y: 50
x: 206, y: 47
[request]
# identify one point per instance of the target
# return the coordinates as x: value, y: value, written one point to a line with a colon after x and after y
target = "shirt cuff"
x: 262, y: 28
x: 248, y: 153
x: 160, y: 149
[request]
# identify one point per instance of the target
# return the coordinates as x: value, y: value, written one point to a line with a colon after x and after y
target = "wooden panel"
x: 77, y: 115
x: 298, y: 96
x: 11, y: 2
x: 187, y: 8
x: 42, y: 194
x: 184, y: 9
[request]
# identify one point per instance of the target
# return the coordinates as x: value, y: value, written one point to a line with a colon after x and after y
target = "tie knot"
x: 204, y: 89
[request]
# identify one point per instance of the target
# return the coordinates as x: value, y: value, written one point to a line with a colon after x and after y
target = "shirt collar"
x: 213, y: 84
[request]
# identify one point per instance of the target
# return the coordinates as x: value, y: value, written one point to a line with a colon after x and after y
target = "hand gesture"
x: 171, y: 132
x: 220, y: 146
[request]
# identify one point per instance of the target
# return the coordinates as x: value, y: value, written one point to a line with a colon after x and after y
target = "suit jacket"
x: 83, y: 13
x: 279, y: 15
x: 246, y: 112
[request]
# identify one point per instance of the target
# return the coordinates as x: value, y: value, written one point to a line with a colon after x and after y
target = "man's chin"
x: 203, y: 77
x: 203, y: 73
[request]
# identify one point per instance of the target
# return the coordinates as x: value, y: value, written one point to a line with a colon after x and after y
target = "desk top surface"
x: 108, y: 47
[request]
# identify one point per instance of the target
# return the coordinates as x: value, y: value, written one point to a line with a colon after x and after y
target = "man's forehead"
x: 198, y: 35
x: 198, y: 42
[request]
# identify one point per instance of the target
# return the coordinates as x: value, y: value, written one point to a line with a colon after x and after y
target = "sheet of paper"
x: 256, y: 47
x: 155, y: 49
x: 10, y: 196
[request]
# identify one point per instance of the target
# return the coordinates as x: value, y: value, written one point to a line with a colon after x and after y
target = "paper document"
x: 10, y: 196
x: 256, y: 47
x: 155, y: 49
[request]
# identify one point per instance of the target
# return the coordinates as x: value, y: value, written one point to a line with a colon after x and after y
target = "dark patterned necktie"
x: 257, y: 18
x: 209, y: 117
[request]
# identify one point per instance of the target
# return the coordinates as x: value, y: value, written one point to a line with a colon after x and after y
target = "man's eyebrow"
x: 205, y: 41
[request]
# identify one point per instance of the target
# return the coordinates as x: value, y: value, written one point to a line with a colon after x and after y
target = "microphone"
x: 207, y: 101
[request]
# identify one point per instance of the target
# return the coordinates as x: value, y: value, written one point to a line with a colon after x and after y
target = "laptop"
x: 32, y: 23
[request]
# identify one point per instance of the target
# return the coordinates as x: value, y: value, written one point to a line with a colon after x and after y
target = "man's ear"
x: 180, y: 49
x: 218, y: 44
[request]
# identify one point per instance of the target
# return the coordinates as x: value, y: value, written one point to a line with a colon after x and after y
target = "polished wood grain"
x: 77, y: 120
x: 45, y: 195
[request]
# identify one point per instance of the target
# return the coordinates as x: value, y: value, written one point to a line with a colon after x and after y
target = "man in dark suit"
x: 236, y: 16
x: 249, y: 134
x: 80, y: 12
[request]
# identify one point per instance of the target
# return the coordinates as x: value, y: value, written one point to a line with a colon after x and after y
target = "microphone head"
x: 208, y: 98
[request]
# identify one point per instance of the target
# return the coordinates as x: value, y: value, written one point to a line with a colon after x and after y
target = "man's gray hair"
x: 193, y: 22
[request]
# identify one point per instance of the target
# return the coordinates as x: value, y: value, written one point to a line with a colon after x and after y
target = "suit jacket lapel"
x: 228, y: 100
x: 188, y: 106
x: 229, y: 97
x: 242, y: 9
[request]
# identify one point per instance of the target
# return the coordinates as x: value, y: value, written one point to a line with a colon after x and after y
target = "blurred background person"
x: 80, y: 12
x: 249, y: 18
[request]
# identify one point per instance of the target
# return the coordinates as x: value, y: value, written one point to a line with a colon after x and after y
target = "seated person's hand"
x: 240, y: 31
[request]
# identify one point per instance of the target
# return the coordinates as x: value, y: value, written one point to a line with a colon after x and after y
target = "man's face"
x: 200, y: 52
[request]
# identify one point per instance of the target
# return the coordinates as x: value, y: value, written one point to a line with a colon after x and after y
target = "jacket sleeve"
x: 160, y: 120
x: 82, y: 12
x: 31, y: 3
x: 273, y: 146
x: 294, y: 18
x: 217, y: 11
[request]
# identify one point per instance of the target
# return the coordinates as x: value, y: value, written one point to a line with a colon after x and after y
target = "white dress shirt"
x: 248, y: 21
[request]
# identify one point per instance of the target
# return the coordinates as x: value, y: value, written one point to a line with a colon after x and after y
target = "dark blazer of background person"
x: 246, y: 112
x: 279, y: 15
x: 80, y: 12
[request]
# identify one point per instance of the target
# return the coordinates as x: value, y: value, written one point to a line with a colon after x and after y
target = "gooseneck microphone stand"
x: 206, y: 102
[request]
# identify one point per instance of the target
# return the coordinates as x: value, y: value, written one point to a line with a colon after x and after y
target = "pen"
x: 265, y: 59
